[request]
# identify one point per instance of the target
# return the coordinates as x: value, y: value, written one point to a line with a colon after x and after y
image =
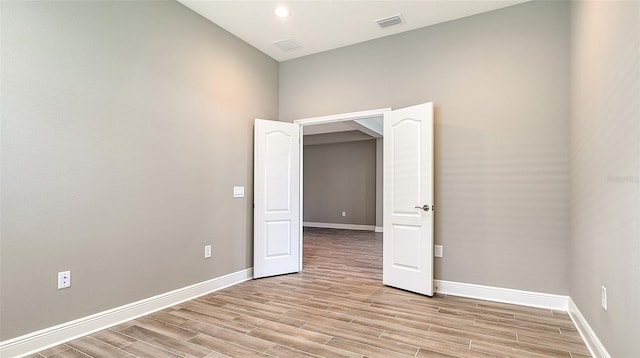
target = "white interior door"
x: 276, y: 227
x: 408, y: 199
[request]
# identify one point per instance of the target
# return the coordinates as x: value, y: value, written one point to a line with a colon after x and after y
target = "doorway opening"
x: 407, y: 188
x: 341, y: 176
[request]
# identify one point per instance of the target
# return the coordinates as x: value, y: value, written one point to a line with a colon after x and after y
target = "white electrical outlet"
x: 344, y: 213
x: 604, y: 298
x: 64, y: 279
x: 437, y: 250
x: 207, y: 251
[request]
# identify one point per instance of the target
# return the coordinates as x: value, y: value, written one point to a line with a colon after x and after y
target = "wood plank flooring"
x: 337, y: 307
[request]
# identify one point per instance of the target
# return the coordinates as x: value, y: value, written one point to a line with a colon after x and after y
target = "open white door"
x: 408, y: 199
x: 276, y: 213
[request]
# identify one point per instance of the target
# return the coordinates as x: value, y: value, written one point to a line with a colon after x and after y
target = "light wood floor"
x: 337, y: 307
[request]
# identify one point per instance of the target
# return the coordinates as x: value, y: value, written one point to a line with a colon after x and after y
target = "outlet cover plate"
x: 437, y: 250
x: 64, y: 279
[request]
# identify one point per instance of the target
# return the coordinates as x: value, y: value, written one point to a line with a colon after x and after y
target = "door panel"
x: 278, y: 235
x: 276, y: 198
x: 408, y: 183
x: 406, y: 247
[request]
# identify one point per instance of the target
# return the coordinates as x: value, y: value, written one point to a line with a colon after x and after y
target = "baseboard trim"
x: 506, y: 295
x: 379, y: 229
x: 52, y: 336
x: 588, y: 335
x: 340, y: 226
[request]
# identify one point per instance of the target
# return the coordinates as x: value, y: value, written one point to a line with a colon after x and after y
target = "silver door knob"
x: 424, y: 207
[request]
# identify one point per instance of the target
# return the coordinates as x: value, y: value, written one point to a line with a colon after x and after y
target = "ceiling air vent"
x: 390, y: 21
x: 288, y: 44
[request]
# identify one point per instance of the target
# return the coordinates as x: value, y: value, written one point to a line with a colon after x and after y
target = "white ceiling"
x: 369, y: 126
x: 325, y: 25
x: 328, y: 128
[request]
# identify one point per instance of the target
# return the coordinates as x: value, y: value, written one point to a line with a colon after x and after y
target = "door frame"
x: 343, y: 117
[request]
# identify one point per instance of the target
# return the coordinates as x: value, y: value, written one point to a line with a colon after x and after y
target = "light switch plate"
x: 238, y: 192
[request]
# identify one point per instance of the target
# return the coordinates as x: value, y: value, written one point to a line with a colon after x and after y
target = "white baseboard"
x: 506, y: 295
x: 379, y: 229
x: 588, y: 335
x: 340, y: 226
x: 52, y: 336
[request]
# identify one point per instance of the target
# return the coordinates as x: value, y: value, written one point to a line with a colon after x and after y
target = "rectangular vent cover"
x: 288, y: 44
x: 390, y: 21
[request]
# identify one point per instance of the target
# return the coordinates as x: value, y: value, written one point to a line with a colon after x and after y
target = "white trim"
x: 342, y: 117
x: 596, y: 348
x: 340, y: 226
x: 52, y: 336
x: 506, y: 295
x: 378, y: 229
x: 300, y: 198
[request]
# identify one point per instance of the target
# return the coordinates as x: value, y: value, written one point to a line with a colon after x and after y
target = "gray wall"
x: 340, y: 177
x: 605, y: 170
x: 125, y: 126
x: 500, y: 84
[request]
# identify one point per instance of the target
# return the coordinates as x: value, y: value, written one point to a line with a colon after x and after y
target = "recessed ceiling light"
x: 282, y: 11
